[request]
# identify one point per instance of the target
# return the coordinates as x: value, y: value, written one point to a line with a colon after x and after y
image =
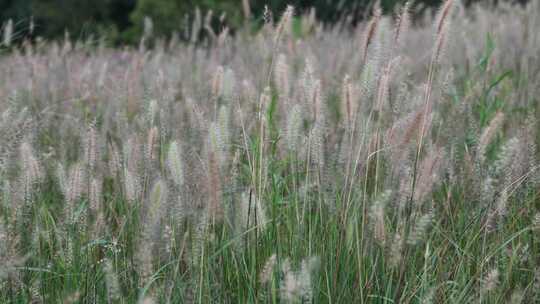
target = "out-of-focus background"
x: 122, y: 21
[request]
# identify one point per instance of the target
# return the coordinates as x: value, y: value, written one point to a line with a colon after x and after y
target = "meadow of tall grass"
x: 394, y: 162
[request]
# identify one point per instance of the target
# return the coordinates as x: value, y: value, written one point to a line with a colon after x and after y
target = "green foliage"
x: 123, y: 20
x: 169, y: 16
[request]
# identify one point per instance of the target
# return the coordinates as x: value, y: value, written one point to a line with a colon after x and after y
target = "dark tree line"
x: 122, y: 20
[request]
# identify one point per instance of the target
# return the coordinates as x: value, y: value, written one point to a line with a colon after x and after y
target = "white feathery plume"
x: 95, y: 194
x: 268, y: 269
x: 377, y: 219
x: 317, y: 143
x: 284, y: 25
x: 131, y: 186
x: 490, y: 281
x: 174, y: 163
x: 31, y: 168
x: 293, y: 133
x: 90, y: 147
x: 250, y: 213
x: 296, y: 285
x: 8, y: 33
x: 115, y: 162
x: 281, y: 77
x: 488, y: 134
x: 420, y: 229
x: 158, y: 196
x: 228, y: 85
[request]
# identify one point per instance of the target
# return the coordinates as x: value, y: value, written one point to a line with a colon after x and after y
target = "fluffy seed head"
x: 158, y: 195
x: 8, y: 33
x: 490, y: 281
x: 296, y: 285
x: 284, y: 24
x: 370, y: 31
x: 174, y: 163
x: 90, y: 147
x: 95, y: 194
x: 281, y: 77
x: 403, y: 24
x: 377, y: 219
x: 442, y: 29
x: 396, y: 250
x: 348, y: 101
x: 214, y: 188
x: 115, y: 162
x: 131, y: 186
x: 31, y: 168
x: 317, y: 145
x: 293, y: 133
x: 229, y: 85
x: 268, y: 269
x: 251, y: 212
x: 75, y: 184
x: 151, y: 144
x: 420, y: 229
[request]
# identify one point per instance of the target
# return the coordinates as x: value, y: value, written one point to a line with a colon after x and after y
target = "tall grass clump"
x: 394, y: 162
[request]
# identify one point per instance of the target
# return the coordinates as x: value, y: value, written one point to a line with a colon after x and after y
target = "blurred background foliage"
x: 122, y: 21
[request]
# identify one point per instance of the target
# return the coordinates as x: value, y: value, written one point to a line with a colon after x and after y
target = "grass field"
x: 387, y: 163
